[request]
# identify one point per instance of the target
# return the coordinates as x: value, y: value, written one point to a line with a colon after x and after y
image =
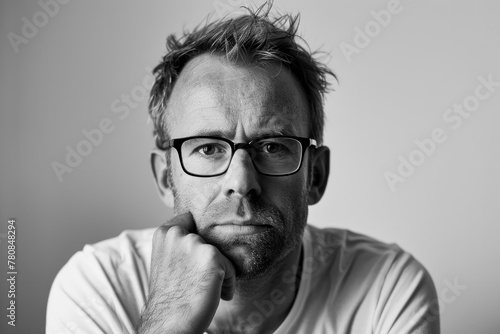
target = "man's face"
x: 254, y: 220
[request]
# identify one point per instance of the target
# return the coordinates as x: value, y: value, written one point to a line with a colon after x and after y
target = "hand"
x: 188, y: 278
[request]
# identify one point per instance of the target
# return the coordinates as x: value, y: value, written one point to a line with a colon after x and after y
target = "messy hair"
x: 254, y: 38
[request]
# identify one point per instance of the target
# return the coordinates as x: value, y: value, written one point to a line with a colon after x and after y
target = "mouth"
x: 240, y: 228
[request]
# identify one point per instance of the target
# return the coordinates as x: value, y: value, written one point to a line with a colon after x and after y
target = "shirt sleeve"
x: 408, y: 301
x: 84, y: 298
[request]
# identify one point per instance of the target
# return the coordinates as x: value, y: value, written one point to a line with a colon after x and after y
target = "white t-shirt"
x: 350, y: 283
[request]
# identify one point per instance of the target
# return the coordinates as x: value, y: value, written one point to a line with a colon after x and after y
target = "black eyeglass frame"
x: 177, y: 143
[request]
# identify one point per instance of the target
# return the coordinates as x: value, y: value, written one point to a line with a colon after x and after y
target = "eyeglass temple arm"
x: 313, y: 142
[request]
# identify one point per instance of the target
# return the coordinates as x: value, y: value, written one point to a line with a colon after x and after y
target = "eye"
x: 273, y: 147
x: 209, y: 149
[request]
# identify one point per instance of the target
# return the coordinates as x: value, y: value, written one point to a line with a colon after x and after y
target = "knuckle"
x: 208, y: 254
x: 193, y: 239
x: 175, y: 231
x: 159, y: 233
x: 168, y: 234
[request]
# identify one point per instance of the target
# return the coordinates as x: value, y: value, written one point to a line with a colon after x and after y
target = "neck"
x: 261, y: 305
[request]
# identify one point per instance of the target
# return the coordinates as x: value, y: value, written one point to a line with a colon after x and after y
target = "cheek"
x: 288, y: 193
x: 203, y: 192
x: 192, y: 193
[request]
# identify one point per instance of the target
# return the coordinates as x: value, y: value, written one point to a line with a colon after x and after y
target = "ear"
x: 159, y: 166
x: 320, y: 160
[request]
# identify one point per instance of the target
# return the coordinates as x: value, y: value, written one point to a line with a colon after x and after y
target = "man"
x: 238, y: 112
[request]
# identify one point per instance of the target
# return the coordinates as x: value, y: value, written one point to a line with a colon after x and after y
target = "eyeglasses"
x: 206, y: 156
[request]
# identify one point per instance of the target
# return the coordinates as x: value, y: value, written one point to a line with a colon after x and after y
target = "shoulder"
x: 112, y: 253
x: 359, y: 257
x: 380, y: 279
x: 104, y: 285
x: 351, y: 247
x: 130, y: 249
x: 127, y: 243
x: 128, y: 253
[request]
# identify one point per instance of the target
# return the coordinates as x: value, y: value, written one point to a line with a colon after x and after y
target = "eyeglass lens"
x: 209, y: 156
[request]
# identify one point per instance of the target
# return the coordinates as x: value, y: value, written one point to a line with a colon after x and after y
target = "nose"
x: 241, y: 178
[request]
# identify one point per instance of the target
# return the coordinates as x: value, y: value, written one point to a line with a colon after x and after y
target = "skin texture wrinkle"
x: 226, y: 98
x: 255, y: 221
x: 230, y: 92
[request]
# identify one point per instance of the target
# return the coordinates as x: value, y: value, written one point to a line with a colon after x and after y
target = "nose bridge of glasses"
x: 244, y: 160
x: 246, y: 147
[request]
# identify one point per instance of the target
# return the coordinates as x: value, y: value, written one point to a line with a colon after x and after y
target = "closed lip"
x: 241, y: 223
x: 239, y: 228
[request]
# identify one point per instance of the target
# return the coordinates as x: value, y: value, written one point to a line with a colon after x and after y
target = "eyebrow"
x: 287, y: 131
x: 211, y: 133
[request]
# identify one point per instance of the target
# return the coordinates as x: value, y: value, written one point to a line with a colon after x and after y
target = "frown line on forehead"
x: 236, y: 101
x: 230, y: 131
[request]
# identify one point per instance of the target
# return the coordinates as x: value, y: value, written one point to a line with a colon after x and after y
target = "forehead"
x: 216, y: 97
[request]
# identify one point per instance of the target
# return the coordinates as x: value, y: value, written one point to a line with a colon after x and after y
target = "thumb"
x: 229, y: 282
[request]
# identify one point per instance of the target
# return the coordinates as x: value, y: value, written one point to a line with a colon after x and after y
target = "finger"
x: 184, y: 220
x: 229, y: 283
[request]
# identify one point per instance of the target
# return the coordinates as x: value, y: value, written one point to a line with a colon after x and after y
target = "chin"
x: 249, y: 264
x: 252, y: 256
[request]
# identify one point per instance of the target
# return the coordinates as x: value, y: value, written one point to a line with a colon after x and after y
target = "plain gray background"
x: 83, y: 61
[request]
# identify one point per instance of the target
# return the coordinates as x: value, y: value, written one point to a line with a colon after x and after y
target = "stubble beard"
x: 254, y: 256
